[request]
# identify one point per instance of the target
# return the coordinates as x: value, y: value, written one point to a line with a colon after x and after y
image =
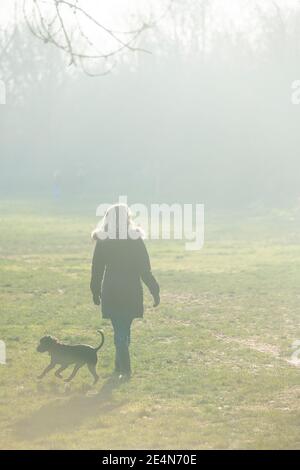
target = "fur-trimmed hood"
x: 134, y: 233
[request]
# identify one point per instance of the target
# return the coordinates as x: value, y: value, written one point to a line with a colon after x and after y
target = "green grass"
x: 210, y: 364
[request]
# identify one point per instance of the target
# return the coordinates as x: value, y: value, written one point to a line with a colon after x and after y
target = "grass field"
x: 210, y: 364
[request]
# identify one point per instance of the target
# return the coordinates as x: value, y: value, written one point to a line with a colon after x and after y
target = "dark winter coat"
x: 117, y: 270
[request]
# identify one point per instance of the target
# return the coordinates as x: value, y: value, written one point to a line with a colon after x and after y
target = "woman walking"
x: 119, y: 264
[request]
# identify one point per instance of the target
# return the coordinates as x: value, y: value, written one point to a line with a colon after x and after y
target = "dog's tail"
x: 102, y: 340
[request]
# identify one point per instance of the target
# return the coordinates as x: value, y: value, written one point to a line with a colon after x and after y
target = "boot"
x: 124, y: 362
x: 117, y: 370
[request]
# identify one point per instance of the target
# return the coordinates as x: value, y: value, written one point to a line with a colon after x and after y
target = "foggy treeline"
x: 206, y: 117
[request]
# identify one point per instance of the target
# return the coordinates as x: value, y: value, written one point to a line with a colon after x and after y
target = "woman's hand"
x: 96, y: 299
x: 156, y: 300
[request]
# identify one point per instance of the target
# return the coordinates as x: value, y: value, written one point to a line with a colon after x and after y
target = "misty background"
x: 206, y: 117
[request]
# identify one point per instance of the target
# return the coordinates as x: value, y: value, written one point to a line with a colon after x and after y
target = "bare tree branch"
x: 59, y: 22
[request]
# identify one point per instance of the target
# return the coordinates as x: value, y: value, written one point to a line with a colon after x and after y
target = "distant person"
x: 57, y: 185
x: 119, y: 264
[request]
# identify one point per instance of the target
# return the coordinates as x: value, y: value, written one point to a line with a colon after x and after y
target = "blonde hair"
x: 117, y: 223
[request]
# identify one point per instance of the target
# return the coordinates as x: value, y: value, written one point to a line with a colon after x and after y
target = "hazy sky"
x: 229, y: 11
x: 230, y: 130
x: 124, y: 15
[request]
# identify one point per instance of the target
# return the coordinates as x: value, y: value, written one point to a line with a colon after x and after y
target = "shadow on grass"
x: 63, y: 415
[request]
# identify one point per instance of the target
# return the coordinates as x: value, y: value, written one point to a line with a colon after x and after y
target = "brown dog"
x: 66, y: 355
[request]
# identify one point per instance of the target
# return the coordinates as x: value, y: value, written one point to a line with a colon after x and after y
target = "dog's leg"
x: 75, y: 370
x: 58, y: 372
x: 92, y: 369
x: 48, y: 368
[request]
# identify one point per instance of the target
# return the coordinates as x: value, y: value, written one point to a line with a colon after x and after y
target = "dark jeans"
x: 121, y: 326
